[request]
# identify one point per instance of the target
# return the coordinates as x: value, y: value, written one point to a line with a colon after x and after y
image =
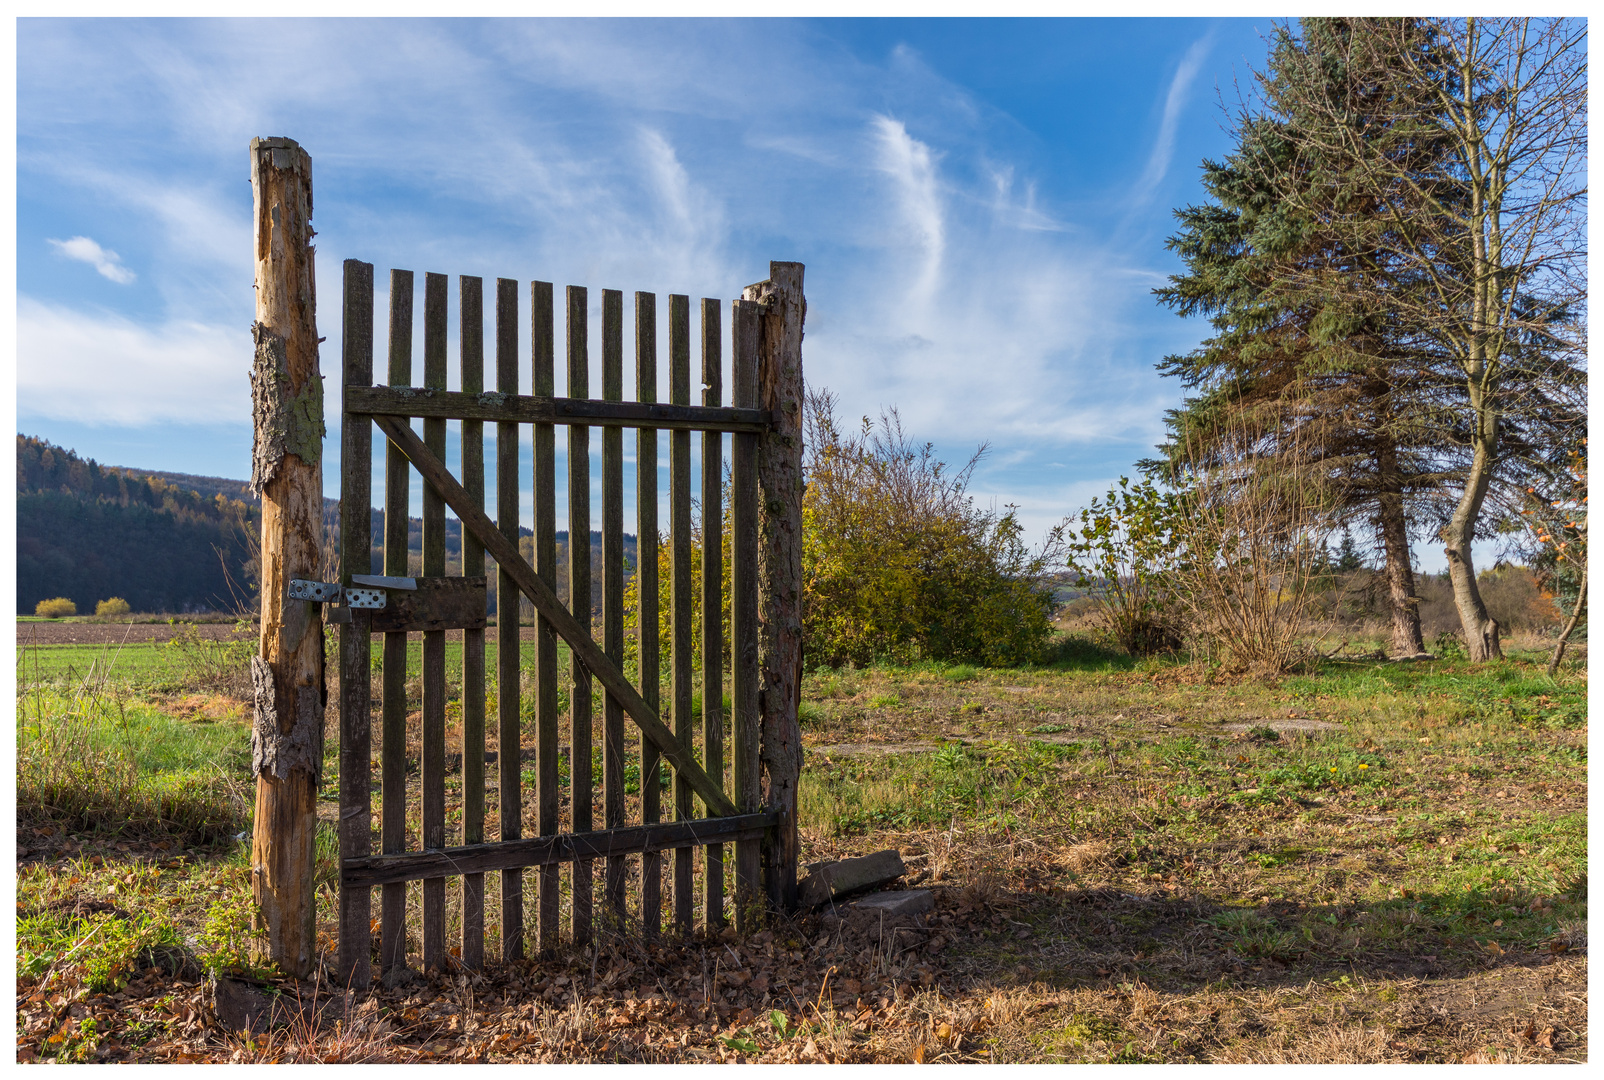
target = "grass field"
x: 172, y: 665
x: 1131, y: 861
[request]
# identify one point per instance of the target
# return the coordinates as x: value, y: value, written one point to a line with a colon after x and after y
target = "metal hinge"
x: 372, y: 598
x: 319, y: 592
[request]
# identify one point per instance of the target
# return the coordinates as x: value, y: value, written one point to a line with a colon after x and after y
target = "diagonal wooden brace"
x: 546, y: 603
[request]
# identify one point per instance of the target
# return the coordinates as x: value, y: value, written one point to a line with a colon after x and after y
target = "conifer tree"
x: 1297, y: 352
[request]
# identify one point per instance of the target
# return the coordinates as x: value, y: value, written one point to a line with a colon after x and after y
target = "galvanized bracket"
x: 325, y: 592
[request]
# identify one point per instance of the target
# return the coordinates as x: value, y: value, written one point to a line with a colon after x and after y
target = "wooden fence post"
x: 287, y: 473
x: 783, y: 310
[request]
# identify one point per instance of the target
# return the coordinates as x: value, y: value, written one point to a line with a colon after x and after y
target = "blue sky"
x: 981, y: 205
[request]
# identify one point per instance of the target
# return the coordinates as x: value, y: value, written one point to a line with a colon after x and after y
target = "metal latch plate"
x: 382, y: 582
x: 321, y: 592
x: 364, y: 598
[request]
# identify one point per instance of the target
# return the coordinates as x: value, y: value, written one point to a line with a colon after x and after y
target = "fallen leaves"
x: 1541, y: 1038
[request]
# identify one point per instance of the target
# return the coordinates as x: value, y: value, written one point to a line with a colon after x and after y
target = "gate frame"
x: 765, y: 420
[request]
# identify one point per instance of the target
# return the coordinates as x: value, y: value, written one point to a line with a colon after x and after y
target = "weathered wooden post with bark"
x: 287, y: 473
x: 783, y: 309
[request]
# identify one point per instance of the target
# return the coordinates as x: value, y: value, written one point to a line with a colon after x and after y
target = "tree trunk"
x: 1481, y: 630
x: 779, y: 467
x: 1570, y: 626
x: 1394, y: 530
x: 287, y: 472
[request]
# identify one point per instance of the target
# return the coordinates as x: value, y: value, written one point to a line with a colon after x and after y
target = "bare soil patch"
x: 71, y: 633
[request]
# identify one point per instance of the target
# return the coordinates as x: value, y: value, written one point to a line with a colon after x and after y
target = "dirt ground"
x: 108, y: 633
x: 56, y: 632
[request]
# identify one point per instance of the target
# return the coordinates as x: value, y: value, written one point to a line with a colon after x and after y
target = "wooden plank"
x: 579, y: 690
x: 780, y: 389
x: 356, y: 657
x: 613, y: 594
x: 505, y: 552
x: 681, y: 586
x: 433, y: 757
x: 548, y: 792
x: 508, y: 687
x: 553, y: 850
x: 393, y: 763
x: 744, y: 675
x: 439, y: 603
x: 651, y: 871
x: 538, y: 409
x: 471, y: 352
x: 712, y: 601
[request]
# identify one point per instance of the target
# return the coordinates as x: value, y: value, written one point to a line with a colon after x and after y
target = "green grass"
x: 171, y: 666
x: 121, y: 767
x: 143, y: 663
x: 992, y: 787
x: 153, y: 740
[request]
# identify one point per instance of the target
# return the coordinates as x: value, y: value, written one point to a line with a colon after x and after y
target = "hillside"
x: 172, y: 542
x: 89, y: 532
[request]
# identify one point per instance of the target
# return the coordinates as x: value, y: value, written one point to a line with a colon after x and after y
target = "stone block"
x: 847, y: 876
x: 902, y: 902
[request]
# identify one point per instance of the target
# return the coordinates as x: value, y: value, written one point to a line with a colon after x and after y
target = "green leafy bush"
x: 1124, y: 553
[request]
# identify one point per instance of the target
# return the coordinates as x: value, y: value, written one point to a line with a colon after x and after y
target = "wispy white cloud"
x: 945, y: 274
x: 100, y: 368
x: 916, y: 199
x: 1175, y: 102
x: 107, y: 263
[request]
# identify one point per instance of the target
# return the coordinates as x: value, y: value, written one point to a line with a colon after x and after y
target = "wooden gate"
x: 417, y: 839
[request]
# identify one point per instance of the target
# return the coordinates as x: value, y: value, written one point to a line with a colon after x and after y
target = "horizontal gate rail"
x: 551, y: 850
x: 525, y: 409
x: 545, y: 600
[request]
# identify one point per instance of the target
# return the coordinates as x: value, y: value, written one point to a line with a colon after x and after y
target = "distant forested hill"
x: 174, y: 542
x: 89, y: 532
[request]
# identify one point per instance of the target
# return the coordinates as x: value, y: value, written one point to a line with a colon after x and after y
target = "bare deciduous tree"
x: 1254, y: 511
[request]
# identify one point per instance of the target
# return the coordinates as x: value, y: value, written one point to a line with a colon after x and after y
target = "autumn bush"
x: 58, y: 607
x: 899, y: 563
x: 115, y: 605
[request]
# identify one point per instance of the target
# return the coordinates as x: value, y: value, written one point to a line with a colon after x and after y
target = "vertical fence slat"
x: 579, y: 691
x: 613, y: 591
x: 471, y: 350
x: 393, y: 764
x: 744, y: 677
x: 508, y: 741
x: 356, y: 657
x: 646, y: 543
x: 712, y: 599
x: 433, y: 756
x: 679, y: 533
x: 543, y: 358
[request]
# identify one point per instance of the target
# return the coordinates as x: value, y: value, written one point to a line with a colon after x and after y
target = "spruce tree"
x: 1297, y: 352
